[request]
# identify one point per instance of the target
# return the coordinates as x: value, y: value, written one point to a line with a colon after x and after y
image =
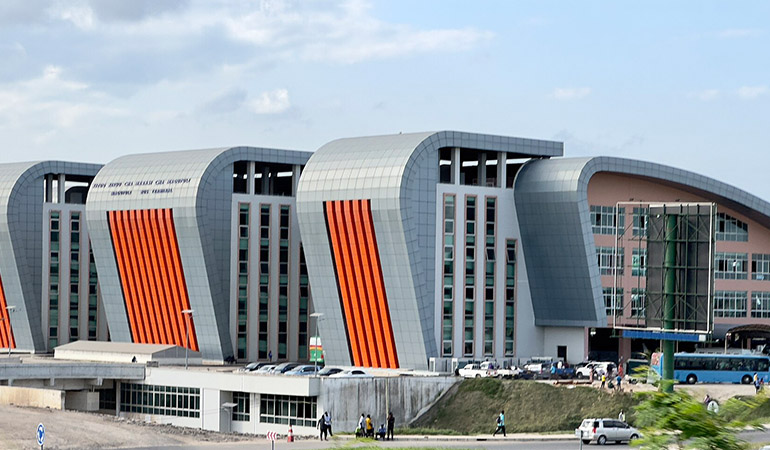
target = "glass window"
x: 760, y: 304
x: 613, y: 303
x: 603, y: 220
x: 731, y: 266
x: 639, y: 262
x: 760, y: 267
x: 730, y: 303
x: 288, y: 409
x: 731, y: 229
x: 606, y: 257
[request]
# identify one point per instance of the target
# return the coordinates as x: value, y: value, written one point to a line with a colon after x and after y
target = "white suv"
x: 603, y: 430
x: 599, y: 367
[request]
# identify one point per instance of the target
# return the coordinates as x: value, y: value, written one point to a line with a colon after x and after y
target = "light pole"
x: 187, y: 315
x: 317, y: 316
x: 9, y: 310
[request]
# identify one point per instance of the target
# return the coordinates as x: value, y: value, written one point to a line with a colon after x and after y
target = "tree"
x: 676, y: 418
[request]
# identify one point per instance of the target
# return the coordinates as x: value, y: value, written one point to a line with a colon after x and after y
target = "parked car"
x: 267, y: 368
x: 283, y: 368
x: 602, y: 431
x: 598, y: 366
x: 474, y: 371
x: 351, y: 373
x: 329, y: 371
x: 510, y: 372
x: 303, y: 370
x: 254, y: 366
x: 536, y: 363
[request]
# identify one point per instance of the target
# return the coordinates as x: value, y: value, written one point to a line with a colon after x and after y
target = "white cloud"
x: 705, y: 95
x: 739, y: 33
x: 51, y: 102
x: 750, y: 92
x: 345, y: 33
x: 271, y: 102
x: 570, y: 93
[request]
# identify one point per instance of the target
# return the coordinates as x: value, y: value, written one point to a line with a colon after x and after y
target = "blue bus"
x: 715, y: 368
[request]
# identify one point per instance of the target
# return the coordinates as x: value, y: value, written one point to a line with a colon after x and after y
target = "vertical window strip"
x: 448, y: 279
x: 304, y: 300
x: 489, y: 276
x: 638, y: 302
x: 283, y: 281
x: 74, y: 278
x: 640, y: 217
x: 53, y: 279
x: 93, y: 296
x: 264, y: 279
x: 639, y: 262
x: 510, y: 295
x: 242, y: 301
x: 470, y: 275
x: 608, y: 301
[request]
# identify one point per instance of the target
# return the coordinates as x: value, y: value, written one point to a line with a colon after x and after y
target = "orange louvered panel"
x: 342, y: 283
x: 359, y: 278
x: 151, y: 275
x: 6, y: 330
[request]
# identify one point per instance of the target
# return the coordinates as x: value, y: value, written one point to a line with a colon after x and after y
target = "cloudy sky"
x: 686, y: 84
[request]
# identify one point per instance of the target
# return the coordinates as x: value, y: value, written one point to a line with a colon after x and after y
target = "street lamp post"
x: 317, y: 316
x: 9, y: 310
x: 187, y: 314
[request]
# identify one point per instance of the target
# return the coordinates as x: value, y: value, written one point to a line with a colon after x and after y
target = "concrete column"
x: 296, y: 171
x: 455, y: 165
x: 501, y: 172
x: 250, y: 178
x: 62, y: 190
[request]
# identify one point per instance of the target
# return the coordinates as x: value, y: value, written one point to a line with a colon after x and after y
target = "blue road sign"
x: 40, y: 435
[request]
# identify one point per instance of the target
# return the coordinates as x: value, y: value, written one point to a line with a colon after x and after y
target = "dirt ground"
x: 77, y: 430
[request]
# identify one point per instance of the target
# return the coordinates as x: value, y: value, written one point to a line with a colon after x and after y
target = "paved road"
x: 751, y: 436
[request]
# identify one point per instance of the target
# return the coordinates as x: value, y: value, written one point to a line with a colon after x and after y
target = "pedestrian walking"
x: 391, y: 425
x: 328, y: 422
x: 604, y: 380
x: 361, y: 429
x: 618, y: 379
x: 322, y: 427
x: 757, y: 385
x: 622, y: 416
x: 500, y: 423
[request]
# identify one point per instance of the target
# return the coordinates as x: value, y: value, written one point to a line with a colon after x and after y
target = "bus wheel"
x: 692, y: 379
x: 746, y: 379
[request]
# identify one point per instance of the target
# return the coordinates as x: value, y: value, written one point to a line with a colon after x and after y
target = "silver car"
x: 602, y: 431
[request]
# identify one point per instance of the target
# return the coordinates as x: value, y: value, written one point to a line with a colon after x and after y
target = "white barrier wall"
x: 36, y: 398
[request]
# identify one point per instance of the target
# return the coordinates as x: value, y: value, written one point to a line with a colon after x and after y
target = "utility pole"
x: 669, y: 296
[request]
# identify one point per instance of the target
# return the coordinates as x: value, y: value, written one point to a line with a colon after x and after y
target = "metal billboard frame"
x: 686, y: 334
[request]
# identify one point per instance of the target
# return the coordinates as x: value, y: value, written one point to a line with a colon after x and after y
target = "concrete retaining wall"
x: 37, y: 398
x: 407, y: 397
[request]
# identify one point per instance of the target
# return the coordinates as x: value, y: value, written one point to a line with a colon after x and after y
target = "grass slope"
x: 529, y: 406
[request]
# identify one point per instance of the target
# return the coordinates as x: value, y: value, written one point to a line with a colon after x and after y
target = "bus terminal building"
x: 411, y: 251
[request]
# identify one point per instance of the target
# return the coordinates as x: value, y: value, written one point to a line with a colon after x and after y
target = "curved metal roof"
x: 558, y: 243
